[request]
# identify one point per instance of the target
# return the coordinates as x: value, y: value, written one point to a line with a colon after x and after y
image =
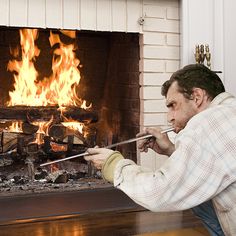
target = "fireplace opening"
x: 104, y: 102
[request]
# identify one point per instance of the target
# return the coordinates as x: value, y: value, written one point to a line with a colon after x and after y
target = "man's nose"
x: 170, y: 116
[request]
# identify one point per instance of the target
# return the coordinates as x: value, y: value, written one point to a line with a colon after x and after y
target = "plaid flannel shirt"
x: 202, y: 167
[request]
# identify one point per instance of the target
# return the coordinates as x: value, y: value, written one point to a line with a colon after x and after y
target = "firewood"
x: 12, y: 140
x: 8, y: 141
x: 61, y: 133
x: 28, y: 128
x: 57, y: 131
x: 32, y: 113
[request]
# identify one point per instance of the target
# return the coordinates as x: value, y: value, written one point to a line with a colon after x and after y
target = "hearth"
x: 100, y: 105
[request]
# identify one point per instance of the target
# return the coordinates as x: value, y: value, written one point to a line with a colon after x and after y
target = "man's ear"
x: 198, y: 96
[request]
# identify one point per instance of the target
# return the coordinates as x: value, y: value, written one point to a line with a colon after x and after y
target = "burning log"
x: 28, y: 128
x: 42, y: 113
x: 8, y: 141
x: 11, y: 140
x: 61, y: 133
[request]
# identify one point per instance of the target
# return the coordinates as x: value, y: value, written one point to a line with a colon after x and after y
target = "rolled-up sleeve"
x: 187, y: 178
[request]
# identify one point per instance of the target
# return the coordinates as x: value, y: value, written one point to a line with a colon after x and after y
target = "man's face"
x: 180, y: 109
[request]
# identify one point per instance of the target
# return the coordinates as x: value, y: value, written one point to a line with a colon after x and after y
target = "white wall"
x: 229, y: 19
x: 211, y: 22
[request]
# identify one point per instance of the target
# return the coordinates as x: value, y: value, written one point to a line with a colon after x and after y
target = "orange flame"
x: 26, y: 74
x: 60, y: 88
x: 15, y: 127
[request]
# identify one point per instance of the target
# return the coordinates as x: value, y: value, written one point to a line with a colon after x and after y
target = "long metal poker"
x: 109, y: 146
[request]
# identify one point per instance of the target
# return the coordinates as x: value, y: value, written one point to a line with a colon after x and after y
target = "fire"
x: 74, y: 125
x: 43, y: 129
x: 25, y: 92
x: 60, y: 88
x: 16, y: 127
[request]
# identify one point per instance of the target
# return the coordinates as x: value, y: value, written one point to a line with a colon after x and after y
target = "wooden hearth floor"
x: 143, y: 223
x: 88, y: 213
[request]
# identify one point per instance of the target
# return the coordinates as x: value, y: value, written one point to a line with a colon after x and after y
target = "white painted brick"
x: 151, y: 92
x: 18, y: 12
x: 141, y: 51
x: 172, y: 66
x: 154, y: 119
x: 161, y: 25
x: 172, y: 13
x: 141, y: 39
x: 160, y: 52
x: 4, y: 12
x: 156, y: 79
x: 133, y: 11
x: 154, y: 11
x: 119, y: 15
x: 154, y: 105
x: 154, y: 38
x: 164, y: 3
x: 153, y: 65
x: 173, y: 39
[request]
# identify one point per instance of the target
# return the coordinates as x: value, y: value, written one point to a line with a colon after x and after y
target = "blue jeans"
x: 206, y: 213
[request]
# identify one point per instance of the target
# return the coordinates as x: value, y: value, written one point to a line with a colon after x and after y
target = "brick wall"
x: 160, y: 57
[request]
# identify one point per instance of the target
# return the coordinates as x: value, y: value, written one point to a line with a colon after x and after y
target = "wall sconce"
x: 202, y: 53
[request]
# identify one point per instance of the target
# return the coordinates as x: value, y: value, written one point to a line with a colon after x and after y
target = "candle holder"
x: 202, y: 53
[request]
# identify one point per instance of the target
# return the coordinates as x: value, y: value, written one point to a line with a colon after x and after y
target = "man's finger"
x: 88, y: 158
x: 93, y: 151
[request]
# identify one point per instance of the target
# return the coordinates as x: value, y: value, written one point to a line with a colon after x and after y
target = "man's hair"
x: 195, y: 76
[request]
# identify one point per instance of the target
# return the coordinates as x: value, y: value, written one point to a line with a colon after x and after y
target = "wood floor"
x: 109, y: 223
x: 107, y: 212
x: 198, y: 231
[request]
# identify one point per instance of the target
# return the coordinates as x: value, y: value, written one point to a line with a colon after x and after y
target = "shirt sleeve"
x: 109, y: 166
x: 187, y: 178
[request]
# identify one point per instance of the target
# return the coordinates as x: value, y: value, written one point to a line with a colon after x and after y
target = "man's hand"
x: 98, y: 156
x: 160, y: 143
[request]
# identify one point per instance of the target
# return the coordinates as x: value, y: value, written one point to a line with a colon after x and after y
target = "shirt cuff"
x: 108, y: 167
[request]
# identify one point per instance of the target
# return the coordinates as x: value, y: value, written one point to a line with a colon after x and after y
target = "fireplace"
x: 108, y: 67
x: 127, y: 49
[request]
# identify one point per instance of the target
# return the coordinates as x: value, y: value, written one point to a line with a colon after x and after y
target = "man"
x: 200, y: 172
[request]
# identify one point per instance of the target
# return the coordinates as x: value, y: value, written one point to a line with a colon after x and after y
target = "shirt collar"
x: 221, y: 98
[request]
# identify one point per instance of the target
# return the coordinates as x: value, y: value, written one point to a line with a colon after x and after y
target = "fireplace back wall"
x: 109, y: 78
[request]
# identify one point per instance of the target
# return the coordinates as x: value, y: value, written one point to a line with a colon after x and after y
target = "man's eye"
x: 170, y: 105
